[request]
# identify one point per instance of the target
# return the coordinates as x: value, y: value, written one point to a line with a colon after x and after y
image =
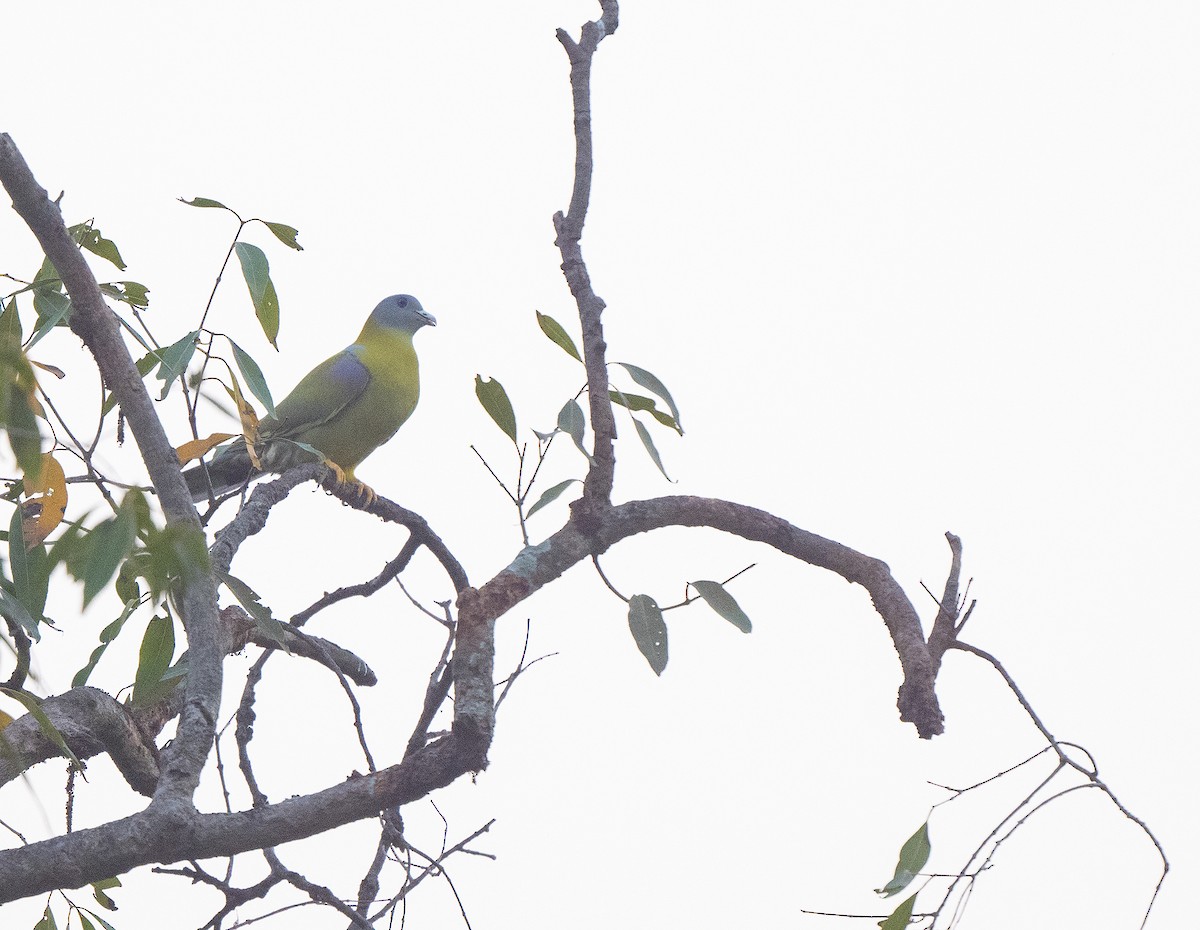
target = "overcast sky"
x: 907, y: 268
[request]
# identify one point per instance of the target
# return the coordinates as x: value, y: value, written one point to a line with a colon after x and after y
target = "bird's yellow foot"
x: 364, y: 492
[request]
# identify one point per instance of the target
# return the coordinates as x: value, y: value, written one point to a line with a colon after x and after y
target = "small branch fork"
x: 978, y: 861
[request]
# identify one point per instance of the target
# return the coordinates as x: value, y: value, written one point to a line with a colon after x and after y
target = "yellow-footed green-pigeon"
x: 345, y: 408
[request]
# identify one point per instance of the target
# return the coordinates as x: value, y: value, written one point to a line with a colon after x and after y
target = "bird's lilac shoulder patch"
x: 348, y: 371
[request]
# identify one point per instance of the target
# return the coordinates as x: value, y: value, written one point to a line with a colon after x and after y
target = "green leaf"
x: 14, y: 610
x: 551, y: 494
x: 646, y: 404
x: 109, y: 544
x: 126, y: 584
x: 10, y: 323
x: 31, y: 570
x: 644, y: 436
x: 90, y: 238
x: 47, y: 274
x: 154, y: 658
x: 47, y: 922
x: 17, y: 386
x: 98, y: 889
x: 129, y: 292
x: 205, y: 202
x: 68, y: 540
x: 254, y: 377
x: 901, y: 916
x: 649, y: 630
x: 31, y: 576
x: 720, y: 600
x: 643, y: 433
x: 49, y: 730
x: 571, y: 422
x: 263, y: 618
x: 913, y: 856
x: 495, y: 401
x: 174, y: 359
x: 107, y: 635
x: 285, y: 234
x: 53, y: 309
x: 175, y: 553
x: 22, y: 572
x: 107, y: 902
x: 654, y: 386
x: 23, y: 433
x: 556, y: 334
x: 84, y: 923
x: 257, y: 273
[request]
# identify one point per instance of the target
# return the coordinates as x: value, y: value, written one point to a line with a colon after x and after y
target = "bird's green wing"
x: 322, y: 395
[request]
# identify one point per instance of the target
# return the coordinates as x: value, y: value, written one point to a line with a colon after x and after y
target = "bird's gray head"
x: 402, y: 311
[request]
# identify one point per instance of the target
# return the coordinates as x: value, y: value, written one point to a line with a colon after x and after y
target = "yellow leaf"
x: 5, y: 719
x: 248, y: 417
x: 41, y: 514
x: 53, y: 369
x: 192, y: 450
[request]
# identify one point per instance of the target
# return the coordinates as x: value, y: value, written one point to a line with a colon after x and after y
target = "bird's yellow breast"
x: 388, y: 401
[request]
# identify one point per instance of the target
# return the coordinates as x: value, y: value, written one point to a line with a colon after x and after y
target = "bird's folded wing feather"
x: 322, y: 395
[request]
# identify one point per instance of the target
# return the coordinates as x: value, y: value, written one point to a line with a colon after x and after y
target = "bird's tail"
x: 228, y: 471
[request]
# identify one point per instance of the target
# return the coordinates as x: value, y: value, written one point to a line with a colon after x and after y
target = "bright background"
x: 907, y: 269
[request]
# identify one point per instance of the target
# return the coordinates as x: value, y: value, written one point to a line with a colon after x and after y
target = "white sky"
x: 907, y: 268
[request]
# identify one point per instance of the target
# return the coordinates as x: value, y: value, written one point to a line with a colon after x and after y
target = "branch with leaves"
x: 168, y: 568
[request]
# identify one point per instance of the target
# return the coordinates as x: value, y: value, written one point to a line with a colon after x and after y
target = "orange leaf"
x: 192, y: 450
x: 41, y: 514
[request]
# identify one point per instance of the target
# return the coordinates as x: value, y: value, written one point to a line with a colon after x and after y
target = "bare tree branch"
x: 91, y: 722
x: 597, y: 486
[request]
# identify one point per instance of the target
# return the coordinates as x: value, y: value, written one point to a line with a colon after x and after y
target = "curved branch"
x: 536, y: 566
x: 253, y: 519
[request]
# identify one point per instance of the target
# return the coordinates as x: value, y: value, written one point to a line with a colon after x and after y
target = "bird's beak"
x: 428, y: 317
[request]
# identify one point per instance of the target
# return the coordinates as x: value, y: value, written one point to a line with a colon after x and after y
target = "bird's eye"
x: 402, y: 302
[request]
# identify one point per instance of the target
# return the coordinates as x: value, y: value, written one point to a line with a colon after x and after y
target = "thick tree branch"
x: 95, y: 324
x: 75, y: 859
x: 91, y: 854
x: 92, y: 722
x: 535, y: 566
